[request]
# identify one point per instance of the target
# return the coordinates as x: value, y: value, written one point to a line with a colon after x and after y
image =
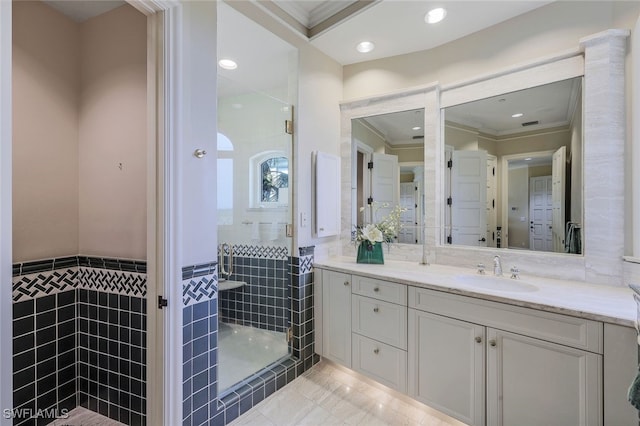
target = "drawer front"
x: 566, y: 330
x: 381, y: 290
x: 383, y: 321
x: 383, y: 363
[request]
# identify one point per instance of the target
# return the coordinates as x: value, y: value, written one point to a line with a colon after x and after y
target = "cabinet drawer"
x: 383, y: 321
x: 566, y: 330
x: 381, y: 290
x: 381, y: 362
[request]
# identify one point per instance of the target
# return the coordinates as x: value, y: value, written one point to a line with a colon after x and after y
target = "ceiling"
x: 395, y: 26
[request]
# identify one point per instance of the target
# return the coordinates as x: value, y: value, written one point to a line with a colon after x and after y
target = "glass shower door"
x: 254, y: 209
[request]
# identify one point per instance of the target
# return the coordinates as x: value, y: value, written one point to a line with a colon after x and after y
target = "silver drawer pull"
x: 376, y: 289
x: 376, y: 350
x: 478, y: 339
x: 492, y: 343
x: 346, y: 283
x: 376, y: 309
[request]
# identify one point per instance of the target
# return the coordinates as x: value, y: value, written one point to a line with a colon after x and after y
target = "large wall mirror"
x: 513, y: 175
x: 388, y: 170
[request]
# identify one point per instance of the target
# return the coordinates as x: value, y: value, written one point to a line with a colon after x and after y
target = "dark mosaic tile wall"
x: 201, y: 405
x: 44, y: 357
x: 79, y: 338
x: 264, y: 301
x: 111, y: 366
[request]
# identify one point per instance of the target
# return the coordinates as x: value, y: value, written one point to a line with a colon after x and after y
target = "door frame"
x: 504, y: 187
x: 164, y: 375
x: 356, y: 147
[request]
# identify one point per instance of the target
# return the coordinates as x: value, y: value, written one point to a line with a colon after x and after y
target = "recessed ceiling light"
x: 365, y: 47
x: 517, y: 115
x: 435, y: 15
x: 527, y: 159
x: 416, y: 128
x: 227, y: 64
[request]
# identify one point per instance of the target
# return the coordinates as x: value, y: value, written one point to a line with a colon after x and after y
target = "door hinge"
x: 288, y: 127
x: 415, y: 206
x: 370, y: 165
x: 370, y: 200
x: 494, y: 171
x: 448, y: 239
x: 450, y: 163
x: 493, y: 203
x: 289, y: 334
x: 449, y: 201
x: 162, y: 302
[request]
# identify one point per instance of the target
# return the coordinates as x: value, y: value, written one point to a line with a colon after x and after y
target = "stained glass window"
x: 275, y: 176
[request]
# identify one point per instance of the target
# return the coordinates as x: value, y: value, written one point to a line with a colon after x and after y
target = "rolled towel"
x: 633, y: 395
x: 275, y: 227
x: 255, y: 231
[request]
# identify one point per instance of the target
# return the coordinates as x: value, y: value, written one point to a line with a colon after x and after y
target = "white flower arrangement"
x: 383, y: 231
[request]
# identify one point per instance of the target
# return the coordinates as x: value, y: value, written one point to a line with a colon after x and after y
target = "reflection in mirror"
x: 388, y: 169
x: 514, y: 170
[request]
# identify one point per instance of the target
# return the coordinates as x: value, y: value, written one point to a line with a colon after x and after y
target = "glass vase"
x: 369, y: 252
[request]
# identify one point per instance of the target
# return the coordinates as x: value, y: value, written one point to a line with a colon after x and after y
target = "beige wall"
x: 112, y: 132
x: 79, y: 111
x: 45, y: 133
x: 364, y: 134
x: 407, y: 154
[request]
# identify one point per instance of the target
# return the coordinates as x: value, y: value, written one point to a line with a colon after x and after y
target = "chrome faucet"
x: 497, y: 266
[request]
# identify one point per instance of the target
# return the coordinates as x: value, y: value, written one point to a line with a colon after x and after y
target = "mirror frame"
x: 600, y: 59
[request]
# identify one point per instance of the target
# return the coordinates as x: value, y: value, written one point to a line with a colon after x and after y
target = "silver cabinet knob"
x: 346, y: 283
x: 376, y: 289
x: 376, y: 351
x: 199, y: 153
x: 492, y: 343
x: 478, y: 339
x: 376, y: 309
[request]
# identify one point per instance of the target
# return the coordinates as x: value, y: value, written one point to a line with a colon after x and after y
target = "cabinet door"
x: 336, y: 315
x: 446, y: 365
x: 531, y: 382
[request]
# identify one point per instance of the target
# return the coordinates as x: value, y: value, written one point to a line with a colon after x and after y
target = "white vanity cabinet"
x: 477, y: 360
x: 379, y: 331
x: 336, y: 317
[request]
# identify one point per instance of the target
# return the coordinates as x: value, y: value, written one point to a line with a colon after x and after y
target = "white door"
x: 540, y: 213
x: 448, y: 156
x: 408, y: 219
x: 385, y: 184
x: 469, y: 194
x: 558, y: 177
x: 492, y: 218
x: 531, y: 382
x: 447, y: 365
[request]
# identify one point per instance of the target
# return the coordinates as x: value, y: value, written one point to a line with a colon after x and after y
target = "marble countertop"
x: 614, y: 305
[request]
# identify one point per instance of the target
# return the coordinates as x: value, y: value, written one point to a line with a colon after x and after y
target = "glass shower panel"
x: 254, y: 208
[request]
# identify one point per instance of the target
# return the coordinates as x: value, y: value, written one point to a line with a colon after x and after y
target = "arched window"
x: 270, y: 179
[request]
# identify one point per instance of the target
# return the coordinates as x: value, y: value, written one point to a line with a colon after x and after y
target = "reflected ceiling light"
x: 227, y: 64
x: 365, y: 47
x: 416, y: 128
x: 527, y: 159
x: 517, y: 115
x: 435, y: 15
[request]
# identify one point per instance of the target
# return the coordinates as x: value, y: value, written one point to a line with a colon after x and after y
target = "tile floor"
x: 243, y: 350
x: 325, y: 395
x: 328, y: 394
x: 80, y: 416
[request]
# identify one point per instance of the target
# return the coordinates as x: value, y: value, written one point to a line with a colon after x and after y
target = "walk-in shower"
x: 254, y: 217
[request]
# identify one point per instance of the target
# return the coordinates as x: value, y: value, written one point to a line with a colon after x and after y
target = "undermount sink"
x: 491, y: 282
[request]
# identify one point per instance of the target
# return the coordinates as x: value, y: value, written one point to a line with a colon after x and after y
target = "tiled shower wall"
x: 264, y: 301
x: 201, y: 405
x: 79, y: 338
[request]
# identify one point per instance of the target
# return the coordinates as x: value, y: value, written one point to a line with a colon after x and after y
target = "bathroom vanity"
x: 482, y: 349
